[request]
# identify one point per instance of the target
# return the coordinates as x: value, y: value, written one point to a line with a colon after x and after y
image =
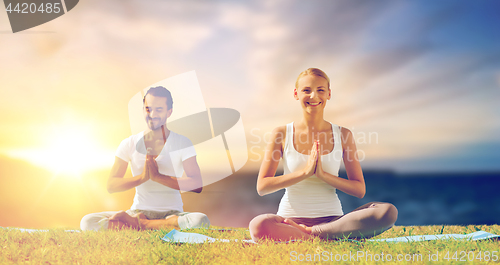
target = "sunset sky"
x: 417, y: 83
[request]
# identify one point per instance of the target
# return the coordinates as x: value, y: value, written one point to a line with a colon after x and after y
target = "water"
x: 421, y: 199
x: 434, y: 199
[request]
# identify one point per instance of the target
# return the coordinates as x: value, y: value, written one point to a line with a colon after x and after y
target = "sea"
x: 433, y: 198
x: 421, y: 199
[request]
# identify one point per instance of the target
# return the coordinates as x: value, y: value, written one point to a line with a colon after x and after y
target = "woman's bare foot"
x: 301, y: 227
x: 127, y: 220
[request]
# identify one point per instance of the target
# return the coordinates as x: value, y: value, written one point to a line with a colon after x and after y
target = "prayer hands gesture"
x: 145, y: 173
x: 151, y: 167
x: 150, y: 171
x: 314, y: 162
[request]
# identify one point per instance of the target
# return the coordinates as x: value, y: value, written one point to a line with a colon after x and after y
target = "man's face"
x: 156, y: 111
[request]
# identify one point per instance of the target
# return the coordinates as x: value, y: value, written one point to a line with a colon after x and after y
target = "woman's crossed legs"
x: 366, y: 221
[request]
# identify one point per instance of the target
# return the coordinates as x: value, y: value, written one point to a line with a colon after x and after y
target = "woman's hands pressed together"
x: 312, y: 162
x: 319, y: 166
x: 314, y: 165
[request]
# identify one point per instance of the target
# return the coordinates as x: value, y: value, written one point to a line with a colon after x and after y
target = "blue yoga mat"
x: 175, y: 236
x: 479, y: 235
x: 28, y: 230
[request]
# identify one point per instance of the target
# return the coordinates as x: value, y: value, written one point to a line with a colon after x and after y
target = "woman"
x: 312, y: 150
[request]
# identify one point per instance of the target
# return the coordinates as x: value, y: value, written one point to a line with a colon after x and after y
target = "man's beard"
x: 151, y: 123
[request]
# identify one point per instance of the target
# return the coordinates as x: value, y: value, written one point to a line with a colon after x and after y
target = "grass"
x: 145, y: 247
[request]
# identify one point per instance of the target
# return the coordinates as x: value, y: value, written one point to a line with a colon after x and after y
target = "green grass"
x: 145, y: 247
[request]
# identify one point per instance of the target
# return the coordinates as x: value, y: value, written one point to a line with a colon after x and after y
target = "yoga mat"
x: 175, y: 236
x: 28, y: 230
x: 479, y: 235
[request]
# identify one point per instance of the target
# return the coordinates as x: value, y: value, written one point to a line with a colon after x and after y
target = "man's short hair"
x: 160, y: 91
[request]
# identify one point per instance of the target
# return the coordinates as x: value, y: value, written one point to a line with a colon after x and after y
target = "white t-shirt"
x: 151, y: 195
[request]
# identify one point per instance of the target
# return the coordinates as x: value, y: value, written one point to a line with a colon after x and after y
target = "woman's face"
x: 312, y: 92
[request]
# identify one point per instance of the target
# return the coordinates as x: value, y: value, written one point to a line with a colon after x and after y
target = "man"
x: 158, y: 159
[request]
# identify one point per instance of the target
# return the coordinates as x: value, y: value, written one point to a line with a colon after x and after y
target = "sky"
x: 417, y: 83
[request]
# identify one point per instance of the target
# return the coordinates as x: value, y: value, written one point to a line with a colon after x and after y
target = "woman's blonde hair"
x: 313, y: 71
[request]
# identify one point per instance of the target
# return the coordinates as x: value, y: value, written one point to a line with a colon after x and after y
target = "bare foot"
x: 301, y: 227
x: 140, y: 216
x: 126, y: 219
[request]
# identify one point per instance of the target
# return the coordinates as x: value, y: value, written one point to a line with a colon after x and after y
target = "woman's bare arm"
x: 266, y: 181
x: 355, y: 184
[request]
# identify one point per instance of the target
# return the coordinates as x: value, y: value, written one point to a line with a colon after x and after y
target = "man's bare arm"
x: 116, y: 180
x: 192, y: 181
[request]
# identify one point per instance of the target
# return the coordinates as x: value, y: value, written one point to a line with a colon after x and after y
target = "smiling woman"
x: 68, y: 152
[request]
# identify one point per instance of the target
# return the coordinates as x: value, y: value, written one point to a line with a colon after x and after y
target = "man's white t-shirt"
x: 151, y: 195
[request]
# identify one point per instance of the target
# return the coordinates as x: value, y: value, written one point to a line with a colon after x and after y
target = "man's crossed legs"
x: 143, y: 220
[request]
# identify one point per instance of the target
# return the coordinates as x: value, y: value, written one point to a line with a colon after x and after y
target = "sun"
x: 69, y: 151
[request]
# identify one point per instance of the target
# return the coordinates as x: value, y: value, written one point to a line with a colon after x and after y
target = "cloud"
x: 113, y: 25
x: 426, y: 84
x: 286, y: 37
x: 388, y: 60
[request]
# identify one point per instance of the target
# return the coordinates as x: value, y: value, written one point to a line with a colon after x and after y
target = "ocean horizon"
x: 445, y: 198
x: 442, y: 198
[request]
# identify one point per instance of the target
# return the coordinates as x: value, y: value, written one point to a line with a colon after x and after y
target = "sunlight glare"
x: 70, y: 152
